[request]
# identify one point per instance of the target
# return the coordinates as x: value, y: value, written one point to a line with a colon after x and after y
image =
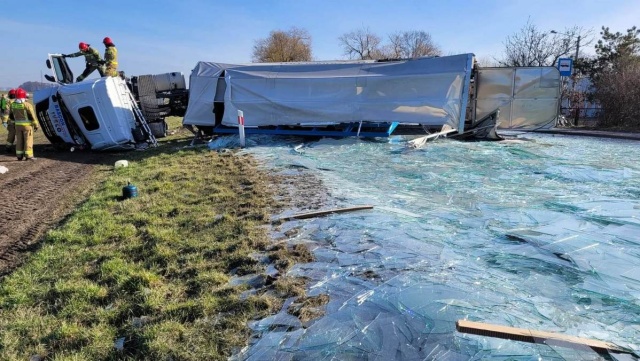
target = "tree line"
x: 32, y: 86
x: 613, y: 72
x: 361, y: 44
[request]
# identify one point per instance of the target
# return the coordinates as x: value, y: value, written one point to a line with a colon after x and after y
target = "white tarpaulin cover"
x: 431, y: 91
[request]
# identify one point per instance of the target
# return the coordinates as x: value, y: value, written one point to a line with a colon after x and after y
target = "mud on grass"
x: 36, y: 196
x: 151, y: 271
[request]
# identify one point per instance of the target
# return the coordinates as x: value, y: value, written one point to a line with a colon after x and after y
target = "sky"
x: 161, y: 36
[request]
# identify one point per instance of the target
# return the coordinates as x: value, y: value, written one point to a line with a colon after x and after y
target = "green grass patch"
x: 153, y: 270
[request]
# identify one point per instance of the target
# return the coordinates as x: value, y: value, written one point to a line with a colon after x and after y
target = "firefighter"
x: 92, y: 59
x: 8, y: 123
x: 110, y: 57
x: 24, y: 116
x: 4, y: 109
x: 3, y: 105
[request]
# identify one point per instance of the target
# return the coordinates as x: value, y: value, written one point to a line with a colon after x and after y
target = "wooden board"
x: 533, y: 336
x: 325, y: 212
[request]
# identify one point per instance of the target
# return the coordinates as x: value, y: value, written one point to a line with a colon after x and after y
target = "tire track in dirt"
x: 33, y: 197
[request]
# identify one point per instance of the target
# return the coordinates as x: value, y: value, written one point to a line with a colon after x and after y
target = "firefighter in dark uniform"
x: 8, y: 123
x: 92, y: 59
x: 24, y: 116
x: 110, y: 57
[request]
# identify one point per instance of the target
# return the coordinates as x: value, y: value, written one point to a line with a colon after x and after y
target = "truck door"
x: 61, y: 73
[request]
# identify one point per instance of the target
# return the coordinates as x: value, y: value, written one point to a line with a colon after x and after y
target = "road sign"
x: 565, y: 65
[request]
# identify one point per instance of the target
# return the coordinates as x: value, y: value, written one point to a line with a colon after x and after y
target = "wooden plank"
x: 325, y: 212
x: 533, y: 336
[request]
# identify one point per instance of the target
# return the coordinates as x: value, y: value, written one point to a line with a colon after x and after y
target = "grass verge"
x: 148, y: 277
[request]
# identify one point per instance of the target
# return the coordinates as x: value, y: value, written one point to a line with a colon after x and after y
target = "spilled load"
x: 447, y: 95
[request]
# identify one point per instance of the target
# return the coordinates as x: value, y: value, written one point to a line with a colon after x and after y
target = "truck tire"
x: 158, y: 129
x: 138, y: 134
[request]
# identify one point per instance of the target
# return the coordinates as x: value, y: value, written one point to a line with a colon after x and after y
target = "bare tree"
x: 487, y: 62
x: 361, y: 44
x: 412, y: 44
x: 283, y: 46
x: 534, y: 47
x: 393, y: 50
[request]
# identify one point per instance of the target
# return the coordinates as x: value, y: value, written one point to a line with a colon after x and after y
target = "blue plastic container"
x: 129, y: 191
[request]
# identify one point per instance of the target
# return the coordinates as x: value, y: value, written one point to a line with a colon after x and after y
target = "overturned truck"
x: 109, y: 113
x: 341, y: 98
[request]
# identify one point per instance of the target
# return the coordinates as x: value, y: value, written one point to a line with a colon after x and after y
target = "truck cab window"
x: 61, y: 69
x: 89, y: 118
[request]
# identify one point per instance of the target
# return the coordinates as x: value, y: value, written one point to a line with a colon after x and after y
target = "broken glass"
x: 538, y: 232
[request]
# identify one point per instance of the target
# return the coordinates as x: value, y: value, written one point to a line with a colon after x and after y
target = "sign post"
x: 565, y: 66
x: 241, y: 127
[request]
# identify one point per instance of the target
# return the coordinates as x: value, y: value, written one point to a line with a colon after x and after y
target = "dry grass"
x: 151, y: 274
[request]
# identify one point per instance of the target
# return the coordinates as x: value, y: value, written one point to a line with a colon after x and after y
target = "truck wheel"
x: 158, y: 129
x: 138, y: 134
x: 206, y: 130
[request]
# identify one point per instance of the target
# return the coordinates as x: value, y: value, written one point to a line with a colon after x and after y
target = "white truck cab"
x: 96, y: 113
x: 103, y: 113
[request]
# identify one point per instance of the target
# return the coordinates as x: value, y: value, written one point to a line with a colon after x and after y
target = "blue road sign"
x: 565, y: 65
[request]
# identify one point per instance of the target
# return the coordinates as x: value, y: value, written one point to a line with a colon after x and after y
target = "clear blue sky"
x: 162, y: 36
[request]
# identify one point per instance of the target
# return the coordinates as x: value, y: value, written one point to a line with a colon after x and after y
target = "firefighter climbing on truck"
x: 92, y: 59
x: 110, y: 57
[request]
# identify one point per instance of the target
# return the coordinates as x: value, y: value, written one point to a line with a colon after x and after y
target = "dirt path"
x: 35, y: 195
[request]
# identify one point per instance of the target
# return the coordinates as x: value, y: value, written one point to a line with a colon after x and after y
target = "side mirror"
x: 49, y: 77
x: 48, y: 64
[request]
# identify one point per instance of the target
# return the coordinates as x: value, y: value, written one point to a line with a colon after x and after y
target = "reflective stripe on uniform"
x: 19, y: 111
x: 22, y: 114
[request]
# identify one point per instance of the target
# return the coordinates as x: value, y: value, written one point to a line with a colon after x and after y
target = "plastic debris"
x: 119, y: 344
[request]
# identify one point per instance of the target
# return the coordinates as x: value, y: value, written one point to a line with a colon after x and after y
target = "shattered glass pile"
x: 538, y: 232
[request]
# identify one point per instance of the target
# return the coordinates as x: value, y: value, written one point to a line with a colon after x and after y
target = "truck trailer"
x: 383, y: 97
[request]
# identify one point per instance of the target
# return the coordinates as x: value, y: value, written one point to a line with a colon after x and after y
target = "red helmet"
x: 107, y: 41
x: 83, y: 46
x: 12, y: 94
x: 21, y: 94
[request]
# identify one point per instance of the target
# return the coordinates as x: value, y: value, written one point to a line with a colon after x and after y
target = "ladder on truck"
x: 151, y: 139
